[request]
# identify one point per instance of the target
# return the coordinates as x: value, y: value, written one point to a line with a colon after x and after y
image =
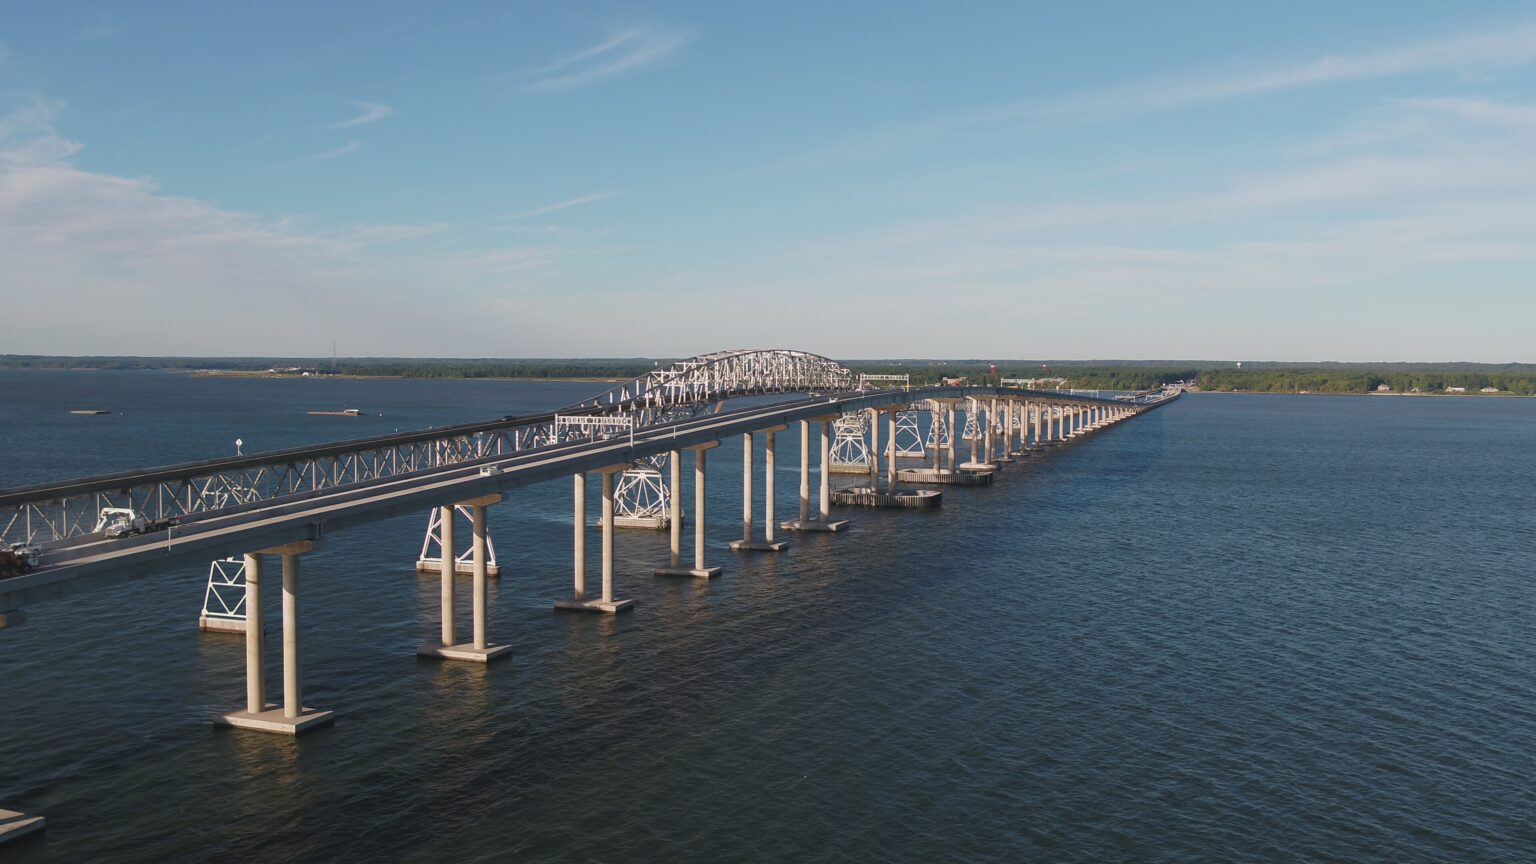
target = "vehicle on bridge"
x: 18, y: 559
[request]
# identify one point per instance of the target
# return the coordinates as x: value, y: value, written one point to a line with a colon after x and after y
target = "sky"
x: 1300, y: 181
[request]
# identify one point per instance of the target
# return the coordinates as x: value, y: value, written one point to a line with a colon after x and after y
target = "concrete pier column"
x: 293, y: 696
x: 450, y: 556
x: 607, y: 515
x: 746, y: 543
x: 478, y: 649
x: 477, y: 553
x: 953, y: 434
x: 1012, y: 408
x: 579, y: 549
x: 292, y: 717
x: 675, y: 500
x: 824, y: 504
x: 805, y: 470
x: 699, y: 570
x: 579, y: 602
x: 770, y: 465
x: 938, y: 444
x: 874, y: 450
x: 985, y: 428
x: 992, y: 425
x: 255, y: 639
x: 890, y: 462
x: 746, y: 487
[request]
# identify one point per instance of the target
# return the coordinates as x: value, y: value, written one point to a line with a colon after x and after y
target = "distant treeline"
x: 1513, y: 378
x: 1313, y: 380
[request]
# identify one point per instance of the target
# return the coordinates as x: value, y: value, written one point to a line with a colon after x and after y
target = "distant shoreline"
x: 351, y: 376
x: 1330, y: 393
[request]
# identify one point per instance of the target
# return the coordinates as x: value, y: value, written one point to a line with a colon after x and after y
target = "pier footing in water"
x: 695, y: 572
x: 272, y: 720
x: 466, y: 651
x: 596, y: 605
x: 759, y: 545
x: 814, y: 525
x: 14, y: 826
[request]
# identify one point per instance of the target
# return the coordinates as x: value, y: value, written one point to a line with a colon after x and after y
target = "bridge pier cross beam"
x: 291, y: 718
x: 825, y: 522
x: 746, y: 543
x: 478, y: 649
x: 699, y: 570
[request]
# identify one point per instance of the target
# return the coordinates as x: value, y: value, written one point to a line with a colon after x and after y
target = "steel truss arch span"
x: 688, y: 388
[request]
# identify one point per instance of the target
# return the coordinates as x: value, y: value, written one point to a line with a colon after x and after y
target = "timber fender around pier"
x: 945, y: 476
x: 905, y: 499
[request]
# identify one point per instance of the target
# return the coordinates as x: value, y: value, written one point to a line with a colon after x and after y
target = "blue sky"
x: 1196, y: 180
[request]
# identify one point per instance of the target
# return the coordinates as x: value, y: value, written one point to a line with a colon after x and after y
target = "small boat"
x: 89, y: 411
x: 345, y: 412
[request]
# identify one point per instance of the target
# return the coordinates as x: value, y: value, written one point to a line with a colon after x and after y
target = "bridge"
x: 84, y: 534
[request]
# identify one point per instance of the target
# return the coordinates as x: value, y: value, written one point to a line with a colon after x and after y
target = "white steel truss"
x: 689, y: 387
x: 909, y: 436
x: 642, y: 495
x: 55, y: 512
x: 225, y: 597
x: 431, y: 559
x: 849, y: 448
x: 938, y: 430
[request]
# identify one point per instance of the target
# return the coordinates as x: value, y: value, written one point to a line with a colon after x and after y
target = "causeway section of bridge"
x: 277, y: 507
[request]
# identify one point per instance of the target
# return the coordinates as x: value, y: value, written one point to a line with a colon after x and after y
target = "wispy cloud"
x: 620, y: 55
x: 333, y: 153
x: 1466, y: 53
x: 565, y: 205
x: 73, y: 239
x: 28, y: 136
x: 369, y: 112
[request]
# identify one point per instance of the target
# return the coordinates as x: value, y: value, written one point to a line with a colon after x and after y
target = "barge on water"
x: 345, y: 412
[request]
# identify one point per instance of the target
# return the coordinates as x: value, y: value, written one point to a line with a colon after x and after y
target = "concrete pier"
x: 747, y: 543
x: 477, y: 650
x: 825, y: 523
x: 699, y: 570
x: 579, y: 601
x: 293, y: 718
x: 14, y: 826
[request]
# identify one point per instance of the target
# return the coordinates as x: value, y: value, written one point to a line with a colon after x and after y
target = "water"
x: 1258, y: 628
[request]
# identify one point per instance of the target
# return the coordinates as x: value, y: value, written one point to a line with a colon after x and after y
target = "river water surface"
x: 1238, y: 628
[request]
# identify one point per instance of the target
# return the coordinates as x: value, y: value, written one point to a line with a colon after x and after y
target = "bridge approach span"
x: 451, y: 464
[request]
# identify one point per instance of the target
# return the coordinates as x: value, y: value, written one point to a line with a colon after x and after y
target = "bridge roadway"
x: 89, y: 561
x: 471, y: 465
